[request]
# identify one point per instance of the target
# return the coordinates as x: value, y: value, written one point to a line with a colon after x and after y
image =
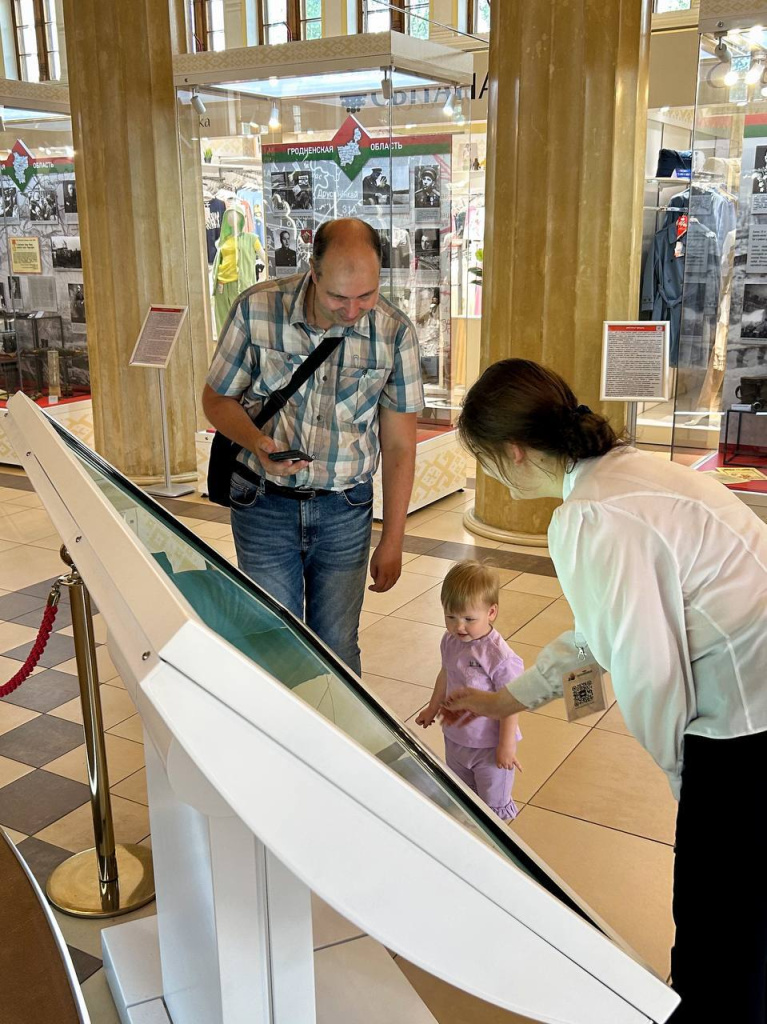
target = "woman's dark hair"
x: 518, y: 401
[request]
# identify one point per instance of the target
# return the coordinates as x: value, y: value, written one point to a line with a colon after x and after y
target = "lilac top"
x: 484, y: 664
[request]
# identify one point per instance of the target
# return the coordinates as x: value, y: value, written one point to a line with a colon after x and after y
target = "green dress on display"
x: 234, y: 268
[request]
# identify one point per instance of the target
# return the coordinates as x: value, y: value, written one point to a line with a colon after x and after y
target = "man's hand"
x: 263, y: 446
x: 385, y: 566
x: 506, y: 757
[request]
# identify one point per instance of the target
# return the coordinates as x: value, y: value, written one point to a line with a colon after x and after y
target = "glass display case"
x: 42, y: 302
x: 720, y: 402
x: 283, y: 147
x: 388, y: 142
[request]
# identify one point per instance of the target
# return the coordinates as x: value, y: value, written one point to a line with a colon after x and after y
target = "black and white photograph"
x: 427, y: 242
x: 4, y: 307
x: 10, y: 209
x: 753, y: 323
x: 67, y: 254
x: 43, y: 205
x: 292, y: 190
x: 759, y: 185
x: 376, y: 188
x: 77, y: 304
x: 282, y: 249
x: 70, y: 196
x: 395, y: 254
x: 426, y: 187
x: 14, y: 289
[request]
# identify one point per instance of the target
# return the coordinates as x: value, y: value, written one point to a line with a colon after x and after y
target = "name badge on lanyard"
x: 583, y: 687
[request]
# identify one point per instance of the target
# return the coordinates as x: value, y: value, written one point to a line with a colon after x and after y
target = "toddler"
x: 483, y: 752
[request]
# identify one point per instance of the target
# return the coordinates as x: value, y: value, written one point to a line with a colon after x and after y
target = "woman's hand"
x: 463, y: 705
x: 506, y: 757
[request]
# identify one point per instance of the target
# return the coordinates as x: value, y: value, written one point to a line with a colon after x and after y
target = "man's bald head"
x: 346, y: 238
x: 346, y: 271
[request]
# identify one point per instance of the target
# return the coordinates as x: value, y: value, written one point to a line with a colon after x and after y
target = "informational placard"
x: 25, y: 256
x: 635, y: 355
x: 159, y: 332
x: 756, y: 261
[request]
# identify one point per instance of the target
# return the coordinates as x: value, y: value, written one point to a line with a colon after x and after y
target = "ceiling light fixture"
x: 196, y: 101
x: 274, y: 118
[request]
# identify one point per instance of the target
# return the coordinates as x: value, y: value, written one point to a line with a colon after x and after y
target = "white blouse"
x: 666, y: 573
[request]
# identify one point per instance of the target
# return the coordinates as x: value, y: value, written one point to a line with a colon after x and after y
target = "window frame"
x: 202, y: 32
x: 396, y: 16
x: 304, y: 20
x: 293, y: 8
x: 472, y: 10
x: 43, y: 54
x: 422, y: 15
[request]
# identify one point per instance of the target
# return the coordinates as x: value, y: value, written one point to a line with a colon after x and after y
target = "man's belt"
x: 296, y: 493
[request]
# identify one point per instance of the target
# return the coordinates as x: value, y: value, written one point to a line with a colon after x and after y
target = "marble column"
x: 565, y: 166
x: 132, y: 226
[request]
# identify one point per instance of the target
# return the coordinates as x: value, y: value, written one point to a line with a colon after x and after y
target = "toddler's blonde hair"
x: 469, y: 584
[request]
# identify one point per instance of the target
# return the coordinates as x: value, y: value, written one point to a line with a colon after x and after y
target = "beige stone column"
x: 132, y: 228
x: 566, y: 142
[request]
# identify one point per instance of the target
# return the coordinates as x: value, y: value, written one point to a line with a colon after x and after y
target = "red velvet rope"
x: 35, y: 654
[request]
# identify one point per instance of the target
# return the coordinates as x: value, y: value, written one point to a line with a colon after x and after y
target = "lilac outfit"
x: 485, y: 664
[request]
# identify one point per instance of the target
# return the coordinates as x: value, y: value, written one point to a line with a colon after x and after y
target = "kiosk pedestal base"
x: 356, y: 980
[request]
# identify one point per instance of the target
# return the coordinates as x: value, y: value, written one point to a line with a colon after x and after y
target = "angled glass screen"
x: 244, y: 615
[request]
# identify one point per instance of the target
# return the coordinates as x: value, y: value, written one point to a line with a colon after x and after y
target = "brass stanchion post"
x: 106, y: 880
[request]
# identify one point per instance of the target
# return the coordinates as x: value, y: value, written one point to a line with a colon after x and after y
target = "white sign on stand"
x: 635, y: 364
x: 635, y: 356
x: 159, y: 333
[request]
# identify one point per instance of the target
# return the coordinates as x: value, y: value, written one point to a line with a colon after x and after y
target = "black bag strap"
x: 278, y: 399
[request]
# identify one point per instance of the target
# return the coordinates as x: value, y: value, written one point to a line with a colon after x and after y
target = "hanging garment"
x: 695, y: 254
x: 709, y: 207
x: 670, y: 160
x: 235, y: 266
x: 214, y: 211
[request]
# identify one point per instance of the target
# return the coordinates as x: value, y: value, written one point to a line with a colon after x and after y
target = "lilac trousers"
x: 477, y: 768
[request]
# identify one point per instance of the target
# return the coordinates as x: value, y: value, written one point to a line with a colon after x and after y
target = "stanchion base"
x: 74, y: 886
x: 174, y: 491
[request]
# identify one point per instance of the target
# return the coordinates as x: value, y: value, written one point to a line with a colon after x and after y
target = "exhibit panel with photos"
x: 281, y: 153
x: 42, y: 298
x: 720, y: 411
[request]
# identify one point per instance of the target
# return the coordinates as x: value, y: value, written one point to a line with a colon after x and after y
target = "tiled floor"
x: 594, y: 806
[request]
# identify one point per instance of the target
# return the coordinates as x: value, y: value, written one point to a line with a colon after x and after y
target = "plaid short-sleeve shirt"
x: 334, y: 416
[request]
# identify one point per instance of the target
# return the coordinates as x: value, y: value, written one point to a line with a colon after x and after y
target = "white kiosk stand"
x: 272, y: 771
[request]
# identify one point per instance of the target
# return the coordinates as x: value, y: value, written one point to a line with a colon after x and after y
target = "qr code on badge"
x: 583, y: 693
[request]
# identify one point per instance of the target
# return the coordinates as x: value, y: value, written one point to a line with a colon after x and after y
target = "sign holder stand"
x: 159, y: 334
x: 168, y: 489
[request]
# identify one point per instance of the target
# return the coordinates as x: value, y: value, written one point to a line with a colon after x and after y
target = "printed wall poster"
x: 25, y: 255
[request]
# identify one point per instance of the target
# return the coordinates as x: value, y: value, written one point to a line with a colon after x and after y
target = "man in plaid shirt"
x: 302, y: 529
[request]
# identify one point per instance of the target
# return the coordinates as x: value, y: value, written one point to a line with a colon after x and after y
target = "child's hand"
x: 506, y: 757
x: 425, y: 717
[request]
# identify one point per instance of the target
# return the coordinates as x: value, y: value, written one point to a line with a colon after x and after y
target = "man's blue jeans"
x: 310, y: 555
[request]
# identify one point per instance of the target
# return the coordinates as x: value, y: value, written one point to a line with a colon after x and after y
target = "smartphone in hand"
x: 293, y: 455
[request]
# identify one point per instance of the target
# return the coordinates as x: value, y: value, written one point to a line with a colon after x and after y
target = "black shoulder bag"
x: 223, y: 452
